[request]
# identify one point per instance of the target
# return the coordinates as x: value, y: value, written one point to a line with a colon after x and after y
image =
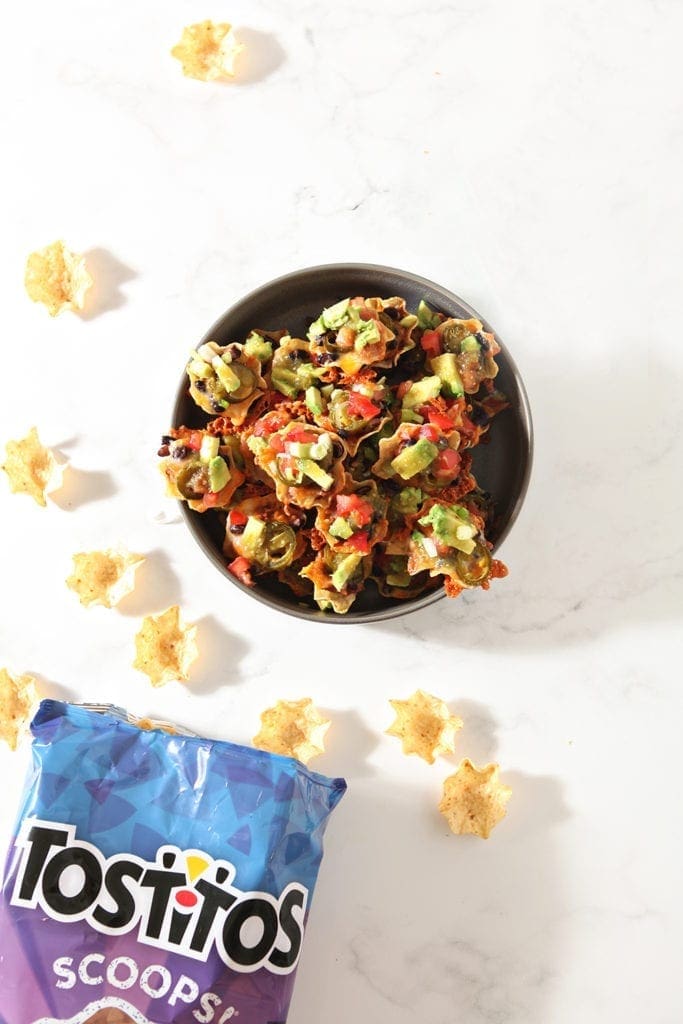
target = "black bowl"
x: 501, y: 467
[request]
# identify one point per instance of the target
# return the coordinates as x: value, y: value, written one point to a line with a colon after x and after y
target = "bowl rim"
x: 401, y: 607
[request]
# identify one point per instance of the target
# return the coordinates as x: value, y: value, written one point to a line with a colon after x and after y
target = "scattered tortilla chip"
x: 165, y: 647
x: 208, y: 51
x: 103, y: 577
x: 474, y: 800
x: 294, y: 728
x: 18, y: 697
x: 425, y: 726
x: 31, y: 468
x: 148, y: 724
x: 58, y: 278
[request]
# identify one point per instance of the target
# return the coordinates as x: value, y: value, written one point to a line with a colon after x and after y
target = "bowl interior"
x: 501, y: 466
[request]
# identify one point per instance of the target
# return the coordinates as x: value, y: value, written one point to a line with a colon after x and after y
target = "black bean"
x: 216, y: 405
x: 324, y: 358
x: 234, y: 351
x: 479, y: 416
x: 392, y: 312
x: 237, y: 527
x: 293, y: 355
x: 166, y: 438
x: 200, y: 384
x: 163, y: 451
x: 482, y: 341
x: 181, y: 452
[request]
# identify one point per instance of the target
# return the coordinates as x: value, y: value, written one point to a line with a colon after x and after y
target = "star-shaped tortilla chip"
x: 103, y: 577
x: 31, y: 468
x: 474, y: 799
x: 208, y: 51
x: 18, y: 698
x: 294, y: 728
x: 425, y: 726
x: 165, y: 647
x: 58, y: 278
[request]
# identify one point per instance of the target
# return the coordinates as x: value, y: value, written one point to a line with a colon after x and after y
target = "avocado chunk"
x: 256, y: 445
x: 422, y: 391
x: 408, y: 500
x: 226, y: 375
x: 209, y: 448
x: 450, y: 528
x: 336, y: 316
x: 446, y: 368
x: 413, y: 460
x: 331, y: 319
x: 317, y: 474
x: 198, y: 368
x: 341, y: 528
x: 285, y: 381
x: 314, y: 400
x: 219, y: 474
x: 290, y: 382
x: 345, y: 570
x: 469, y: 344
x: 367, y: 333
x: 408, y: 321
x: 257, y: 346
x: 410, y: 416
x: 301, y: 449
x: 426, y: 317
x: 253, y: 536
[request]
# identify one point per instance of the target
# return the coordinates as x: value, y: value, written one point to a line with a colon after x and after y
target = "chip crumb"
x: 294, y: 728
x: 18, y: 698
x: 32, y: 468
x: 148, y: 724
x: 58, y: 278
x: 474, y: 799
x: 425, y: 726
x: 165, y: 647
x: 103, y: 577
x: 208, y: 51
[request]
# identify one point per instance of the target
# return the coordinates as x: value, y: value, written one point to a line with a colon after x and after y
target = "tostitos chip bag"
x: 156, y: 878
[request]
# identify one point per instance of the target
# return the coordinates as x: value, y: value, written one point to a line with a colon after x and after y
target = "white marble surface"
x: 529, y: 157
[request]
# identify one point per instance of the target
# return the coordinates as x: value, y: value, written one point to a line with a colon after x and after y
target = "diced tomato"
x: 214, y: 499
x: 439, y: 419
x: 239, y: 568
x: 363, y: 513
x: 348, y: 503
x: 447, y: 462
x: 288, y: 464
x: 237, y: 518
x: 431, y: 343
x: 193, y: 440
x: 301, y: 435
x: 359, y: 542
x: 271, y: 422
x: 429, y: 431
x: 276, y: 442
x: 362, y: 408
